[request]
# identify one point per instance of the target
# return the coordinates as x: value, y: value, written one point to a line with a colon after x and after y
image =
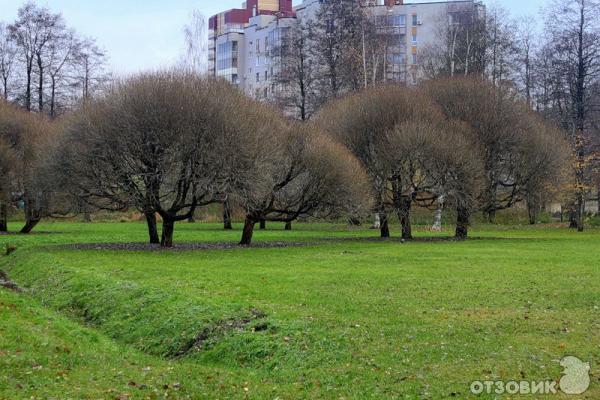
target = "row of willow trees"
x: 169, y: 143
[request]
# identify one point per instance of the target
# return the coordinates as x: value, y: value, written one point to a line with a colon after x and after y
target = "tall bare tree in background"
x: 525, y: 57
x: 501, y: 48
x: 32, y: 31
x: 573, y: 51
x: 196, y: 45
x: 8, y: 55
x: 337, y: 46
x: 89, y: 69
x: 461, y: 45
x: 44, y: 62
x: 296, y: 75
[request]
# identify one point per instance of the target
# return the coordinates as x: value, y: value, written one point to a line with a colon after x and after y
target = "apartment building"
x: 240, y: 40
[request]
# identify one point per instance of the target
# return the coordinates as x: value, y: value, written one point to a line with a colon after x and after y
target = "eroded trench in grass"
x: 154, y: 320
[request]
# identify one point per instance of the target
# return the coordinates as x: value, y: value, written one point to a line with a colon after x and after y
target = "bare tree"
x: 89, y: 69
x: 29, y: 137
x: 10, y: 131
x: 361, y: 121
x: 337, y: 46
x: 149, y: 144
x: 296, y: 74
x: 7, y: 164
x: 500, y: 43
x: 460, y: 48
x: 517, y: 148
x: 164, y: 143
x: 34, y: 28
x: 574, y: 53
x: 8, y: 59
x: 60, y: 58
x: 440, y: 159
x: 527, y: 48
x: 196, y: 45
x: 307, y: 174
x: 39, y: 53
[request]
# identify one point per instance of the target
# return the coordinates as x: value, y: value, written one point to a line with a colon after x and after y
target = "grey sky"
x: 146, y: 34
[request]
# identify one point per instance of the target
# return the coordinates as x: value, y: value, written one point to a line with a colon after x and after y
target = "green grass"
x: 345, y: 316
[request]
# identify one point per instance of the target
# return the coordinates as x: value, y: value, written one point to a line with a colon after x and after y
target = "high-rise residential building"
x: 230, y: 34
x: 240, y: 39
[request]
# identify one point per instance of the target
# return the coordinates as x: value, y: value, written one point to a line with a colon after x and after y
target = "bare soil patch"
x: 7, y: 283
x: 180, y: 246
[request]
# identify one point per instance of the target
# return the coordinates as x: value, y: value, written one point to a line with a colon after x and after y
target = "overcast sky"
x: 147, y: 34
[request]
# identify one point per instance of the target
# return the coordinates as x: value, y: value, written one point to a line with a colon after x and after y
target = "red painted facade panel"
x: 237, y: 16
x: 285, y: 6
x: 242, y: 16
x: 212, y: 22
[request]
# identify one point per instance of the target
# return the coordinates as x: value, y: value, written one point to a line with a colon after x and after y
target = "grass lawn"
x: 338, y: 314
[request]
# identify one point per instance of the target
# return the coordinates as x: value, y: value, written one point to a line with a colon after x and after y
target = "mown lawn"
x: 338, y: 314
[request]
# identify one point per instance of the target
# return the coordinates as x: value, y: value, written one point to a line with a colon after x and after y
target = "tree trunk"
x: 598, y: 200
x: 248, y: 231
x: 384, y: 225
x: 168, y: 227
x: 562, y: 214
x: 263, y: 225
x: 404, y: 206
x: 491, y: 216
x: 227, y: 215
x: 152, y: 230
x: 32, y: 217
x: 572, y: 217
x: 462, y: 222
x: 3, y: 217
x: 28, y: 84
x: 288, y: 226
x: 192, y: 219
x: 40, y: 83
x: 437, y: 221
x: 53, y: 98
x: 5, y: 86
x: 30, y: 223
x: 580, y: 211
x: 532, y: 211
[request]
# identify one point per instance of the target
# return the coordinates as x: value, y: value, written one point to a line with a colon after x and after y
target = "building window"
x: 257, y: 46
x: 257, y: 77
x: 266, y: 92
x: 415, y: 20
x: 414, y: 39
x: 392, y: 20
x: 266, y: 75
x: 396, y: 58
x: 227, y: 55
x: 414, y: 59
